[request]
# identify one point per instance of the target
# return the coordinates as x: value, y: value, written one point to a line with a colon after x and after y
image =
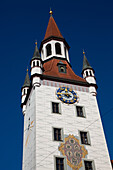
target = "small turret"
x: 36, y: 66
x: 25, y: 88
x: 88, y: 75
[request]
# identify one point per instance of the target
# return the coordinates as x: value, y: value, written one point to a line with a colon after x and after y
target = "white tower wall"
x: 42, y: 149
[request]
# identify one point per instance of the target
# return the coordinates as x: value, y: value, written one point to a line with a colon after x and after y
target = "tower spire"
x: 36, y: 54
x: 86, y: 64
x: 27, y: 80
x: 52, y: 28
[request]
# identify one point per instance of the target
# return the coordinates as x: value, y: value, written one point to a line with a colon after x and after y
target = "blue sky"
x: 85, y: 25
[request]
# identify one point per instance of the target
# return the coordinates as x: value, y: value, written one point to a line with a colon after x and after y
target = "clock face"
x: 66, y: 95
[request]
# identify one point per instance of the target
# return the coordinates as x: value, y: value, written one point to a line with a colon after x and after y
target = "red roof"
x: 52, y: 29
x: 51, y: 69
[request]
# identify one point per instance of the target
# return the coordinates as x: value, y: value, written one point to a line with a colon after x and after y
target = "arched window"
x: 24, y: 91
x: 37, y: 63
x: 86, y: 73
x: 62, y: 69
x: 48, y: 49
x: 33, y: 63
x: 90, y: 73
x: 65, y: 52
x: 58, y: 48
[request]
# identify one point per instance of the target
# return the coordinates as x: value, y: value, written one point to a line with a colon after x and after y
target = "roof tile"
x: 51, y: 69
x: 52, y: 29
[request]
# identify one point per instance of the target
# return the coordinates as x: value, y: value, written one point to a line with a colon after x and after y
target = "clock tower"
x: 62, y: 124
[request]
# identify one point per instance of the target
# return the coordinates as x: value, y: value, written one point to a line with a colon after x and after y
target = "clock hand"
x: 66, y: 94
x: 60, y: 93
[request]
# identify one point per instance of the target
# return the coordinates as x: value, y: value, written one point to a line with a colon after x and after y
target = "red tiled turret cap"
x: 53, y: 32
x: 52, y: 28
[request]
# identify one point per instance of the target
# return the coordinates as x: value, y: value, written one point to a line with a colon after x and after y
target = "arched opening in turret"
x: 86, y: 73
x: 24, y: 91
x: 37, y: 63
x: 33, y: 63
x: 90, y: 72
x: 48, y: 50
x: 65, y: 52
x: 58, y: 48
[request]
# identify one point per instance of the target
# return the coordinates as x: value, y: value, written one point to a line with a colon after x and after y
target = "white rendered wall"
x: 90, y: 80
x: 29, y: 147
x: 46, y: 148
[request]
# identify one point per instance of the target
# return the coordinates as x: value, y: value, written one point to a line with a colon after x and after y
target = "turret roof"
x: 86, y: 64
x: 51, y: 69
x: 27, y: 80
x: 36, y: 54
x: 52, y: 29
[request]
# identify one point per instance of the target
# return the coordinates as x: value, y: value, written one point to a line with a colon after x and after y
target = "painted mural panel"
x: 73, y: 151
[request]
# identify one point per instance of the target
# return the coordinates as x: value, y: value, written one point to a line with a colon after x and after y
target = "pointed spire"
x: 27, y: 80
x: 52, y: 28
x: 36, y: 52
x: 85, y: 62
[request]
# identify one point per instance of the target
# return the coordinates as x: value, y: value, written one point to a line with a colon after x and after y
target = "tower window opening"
x: 90, y: 73
x: 80, y: 112
x: 58, y: 48
x: 86, y: 73
x: 89, y: 165
x: 48, y: 50
x: 62, y: 69
x: 59, y: 163
x: 37, y: 63
x: 24, y: 91
x: 55, y: 107
x: 33, y: 63
x: 57, y: 134
x: 65, y: 52
x: 84, y: 138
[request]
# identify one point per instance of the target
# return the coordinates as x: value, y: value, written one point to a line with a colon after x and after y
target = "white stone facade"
x: 41, y: 149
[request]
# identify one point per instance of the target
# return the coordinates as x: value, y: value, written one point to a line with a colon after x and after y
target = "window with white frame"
x: 55, y: 107
x: 80, y: 111
x: 85, y: 139
x: 48, y: 50
x: 58, y: 134
x: 89, y: 165
x: 58, y: 48
x: 59, y: 163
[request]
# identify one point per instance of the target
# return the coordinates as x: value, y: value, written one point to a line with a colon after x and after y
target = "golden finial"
x: 27, y: 69
x: 36, y: 42
x: 83, y: 52
x: 50, y: 12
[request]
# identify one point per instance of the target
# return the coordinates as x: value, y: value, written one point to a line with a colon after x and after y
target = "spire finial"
x: 83, y: 52
x: 27, y: 68
x: 36, y: 42
x: 50, y: 12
